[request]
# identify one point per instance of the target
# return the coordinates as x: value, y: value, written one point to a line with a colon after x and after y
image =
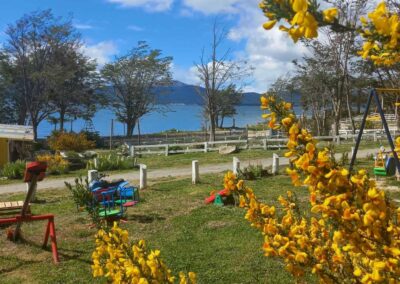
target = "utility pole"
x: 111, y: 132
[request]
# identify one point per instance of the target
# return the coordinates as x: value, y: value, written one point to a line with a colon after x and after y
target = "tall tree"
x: 31, y: 45
x: 133, y: 78
x: 77, y: 84
x: 217, y: 72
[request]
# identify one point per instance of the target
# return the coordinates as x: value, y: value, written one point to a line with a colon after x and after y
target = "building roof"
x: 16, y: 132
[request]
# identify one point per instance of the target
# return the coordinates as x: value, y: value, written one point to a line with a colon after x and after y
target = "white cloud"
x: 135, y: 28
x: 213, y: 6
x: 150, y: 5
x: 187, y: 76
x: 269, y: 52
x: 83, y: 26
x: 102, y: 51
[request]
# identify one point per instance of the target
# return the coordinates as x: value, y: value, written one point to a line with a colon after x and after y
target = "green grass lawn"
x: 215, y: 242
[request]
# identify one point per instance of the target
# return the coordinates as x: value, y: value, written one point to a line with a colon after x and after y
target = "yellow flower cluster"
x: 55, y: 163
x: 230, y: 181
x: 381, y: 31
x: 120, y: 262
x: 382, y: 34
x: 301, y: 15
x: 353, y: 235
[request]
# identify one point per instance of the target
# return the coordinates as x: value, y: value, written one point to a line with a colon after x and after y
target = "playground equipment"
x: 220, y: 198
x: 34, y: 172
x: 127, y: 195
x: 384, y: 165
x: 374, y: 94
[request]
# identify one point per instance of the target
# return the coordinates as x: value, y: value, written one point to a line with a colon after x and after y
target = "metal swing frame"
x: 375, y: 94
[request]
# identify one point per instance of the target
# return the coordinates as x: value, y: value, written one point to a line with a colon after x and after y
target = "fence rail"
x: 252, y: 143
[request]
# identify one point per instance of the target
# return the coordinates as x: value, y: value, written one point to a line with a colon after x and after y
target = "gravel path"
x: 153, y: 175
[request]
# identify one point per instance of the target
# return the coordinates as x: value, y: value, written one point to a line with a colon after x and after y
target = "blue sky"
x: 180, y: 28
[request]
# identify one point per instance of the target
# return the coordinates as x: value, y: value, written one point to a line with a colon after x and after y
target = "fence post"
x: 143, y: 176
x: 195, y: 172
x: 166, y: 150
x: 275, y: 164
x: 352, y: 151
x: 264, y: 144
x: 375, y: 138
x: 132, y: 151
x: 236, y: 165
x: 92, y: 175
x: 205, y: 147
x: 338, y: 139
x: 96, y: 162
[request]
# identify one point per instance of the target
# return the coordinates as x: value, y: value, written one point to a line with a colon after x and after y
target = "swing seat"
x: 380, y: 172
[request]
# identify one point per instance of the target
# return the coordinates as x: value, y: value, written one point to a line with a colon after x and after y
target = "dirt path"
x: 153, y: 175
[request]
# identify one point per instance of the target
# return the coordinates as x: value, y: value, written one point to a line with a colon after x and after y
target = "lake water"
x: 180, y: 117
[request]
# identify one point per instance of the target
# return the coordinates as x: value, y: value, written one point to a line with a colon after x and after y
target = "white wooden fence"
x: 265, y: 144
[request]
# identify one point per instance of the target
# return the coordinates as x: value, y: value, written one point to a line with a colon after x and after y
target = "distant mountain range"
x: 181, y: 93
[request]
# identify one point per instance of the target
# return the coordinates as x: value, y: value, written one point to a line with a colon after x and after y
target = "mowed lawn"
x: 215, y: 242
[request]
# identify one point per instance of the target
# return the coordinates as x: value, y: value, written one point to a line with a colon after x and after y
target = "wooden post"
x: 352, y: 151
x: 275, y: 164
x: 96, y: 163
x: 166, y: 150
x: 205, y: 147
x: 132, y: 151
x: 375, y: 138
x: 33, y: 194
x: 236, y: 165
x: 92, y: 175
x: 143, y: 176
x: 195, y: 172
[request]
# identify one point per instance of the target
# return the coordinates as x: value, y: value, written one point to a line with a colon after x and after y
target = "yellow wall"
x: 3, y: 151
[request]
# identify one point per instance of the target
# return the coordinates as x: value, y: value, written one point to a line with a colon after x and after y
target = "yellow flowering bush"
x: 55, y: 163
x: 353, y: 234
x: 62, y: 141
x: 121, y: 262
x: 380, y: 29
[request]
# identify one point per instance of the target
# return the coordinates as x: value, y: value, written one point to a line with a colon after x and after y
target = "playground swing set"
x: 385, y: 162
x: 34, y: 172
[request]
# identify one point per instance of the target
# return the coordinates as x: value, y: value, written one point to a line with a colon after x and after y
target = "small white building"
x: 12, y: 141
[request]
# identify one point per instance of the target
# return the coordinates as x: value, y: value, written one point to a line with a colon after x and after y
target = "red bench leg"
x: 51, y: 231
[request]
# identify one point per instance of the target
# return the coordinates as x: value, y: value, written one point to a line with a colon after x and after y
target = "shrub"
x: 55, y: 163
x: 253, y: 172
x: 14, y: 170
x: 109, y: 162
x: 350, y: 233
x: 70, y: 142
x: 94, y: 136
x: 134, y: 263
x: 83, y: 198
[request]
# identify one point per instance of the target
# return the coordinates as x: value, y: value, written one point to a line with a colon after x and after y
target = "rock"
x: 224, y: 150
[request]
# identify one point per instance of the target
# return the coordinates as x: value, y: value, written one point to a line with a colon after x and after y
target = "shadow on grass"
x: 18, y: 263
x: 62, y: 252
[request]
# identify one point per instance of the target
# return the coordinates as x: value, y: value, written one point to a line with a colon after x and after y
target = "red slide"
x: 211, y: 199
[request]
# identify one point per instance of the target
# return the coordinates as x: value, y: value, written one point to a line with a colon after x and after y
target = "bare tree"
x: 216, y: 73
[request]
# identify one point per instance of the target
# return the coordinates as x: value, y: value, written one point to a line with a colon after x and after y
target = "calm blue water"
x: 180, y: 117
